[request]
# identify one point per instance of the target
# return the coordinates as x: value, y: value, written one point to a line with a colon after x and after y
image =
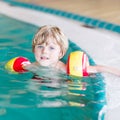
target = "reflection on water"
x: 61, y: 93
x: 39, y: 91
x: 54, y: 90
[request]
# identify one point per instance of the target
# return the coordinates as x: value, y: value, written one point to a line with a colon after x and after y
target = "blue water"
x: 56, y: 97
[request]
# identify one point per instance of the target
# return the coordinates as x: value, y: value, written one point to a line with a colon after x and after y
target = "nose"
x: 45, y: 50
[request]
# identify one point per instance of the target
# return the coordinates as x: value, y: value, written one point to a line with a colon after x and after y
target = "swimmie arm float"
x: 76, y: 64
x: 15, y: 65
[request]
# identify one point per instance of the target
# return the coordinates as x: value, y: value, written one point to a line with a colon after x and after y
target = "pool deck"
x: 107, y: 10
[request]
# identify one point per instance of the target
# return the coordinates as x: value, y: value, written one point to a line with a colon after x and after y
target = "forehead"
x: 51, y: 40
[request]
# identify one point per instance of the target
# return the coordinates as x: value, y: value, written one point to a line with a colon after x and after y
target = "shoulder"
x: 61, y: 66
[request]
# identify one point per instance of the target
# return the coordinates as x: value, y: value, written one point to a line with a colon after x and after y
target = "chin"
x: 45, y: 64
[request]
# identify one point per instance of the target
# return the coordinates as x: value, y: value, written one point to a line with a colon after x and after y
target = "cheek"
x: 56, y: 54
x: 37, y: 53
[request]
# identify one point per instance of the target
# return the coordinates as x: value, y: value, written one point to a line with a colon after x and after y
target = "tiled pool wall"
x: 82, y: 19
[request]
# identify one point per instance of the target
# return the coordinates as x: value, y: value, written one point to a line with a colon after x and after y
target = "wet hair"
x: 51, y: 31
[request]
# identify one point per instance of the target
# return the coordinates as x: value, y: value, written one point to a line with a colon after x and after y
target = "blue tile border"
x: 83, y: 19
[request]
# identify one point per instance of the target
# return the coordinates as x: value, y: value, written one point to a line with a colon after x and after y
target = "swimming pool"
x: 84, y: 37
x: 21, y: 97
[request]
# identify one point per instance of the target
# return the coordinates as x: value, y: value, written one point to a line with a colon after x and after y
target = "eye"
x: 40, y: 46
x: 51, y: 48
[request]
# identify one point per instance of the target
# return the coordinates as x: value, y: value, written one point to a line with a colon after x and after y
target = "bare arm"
x: 105, y: 69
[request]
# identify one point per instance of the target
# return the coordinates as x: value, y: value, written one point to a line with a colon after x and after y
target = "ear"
x: 61, y: 55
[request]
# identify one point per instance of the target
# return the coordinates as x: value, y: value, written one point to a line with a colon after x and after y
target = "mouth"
x: 44, y: 58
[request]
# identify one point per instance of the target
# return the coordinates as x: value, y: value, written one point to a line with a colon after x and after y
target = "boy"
x: 50, y: 45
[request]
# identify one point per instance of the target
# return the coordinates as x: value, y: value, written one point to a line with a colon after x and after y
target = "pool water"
x: 52, y: 98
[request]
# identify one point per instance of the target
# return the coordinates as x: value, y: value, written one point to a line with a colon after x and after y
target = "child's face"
x: 48, y: 53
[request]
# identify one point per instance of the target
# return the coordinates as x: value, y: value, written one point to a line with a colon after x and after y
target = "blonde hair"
x: 51, y: 31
